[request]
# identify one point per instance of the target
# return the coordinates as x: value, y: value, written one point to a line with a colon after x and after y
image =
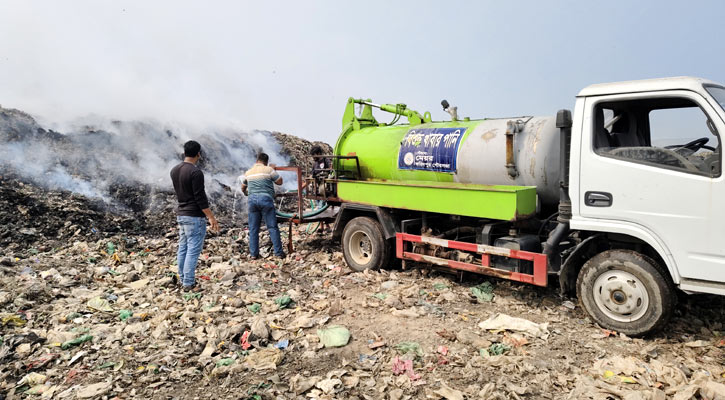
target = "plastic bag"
x: 334, y: 336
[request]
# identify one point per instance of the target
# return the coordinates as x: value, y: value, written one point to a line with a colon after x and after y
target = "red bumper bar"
x: 539, y: 277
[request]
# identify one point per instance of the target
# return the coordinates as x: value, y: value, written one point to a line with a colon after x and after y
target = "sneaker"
x: 187, y: 289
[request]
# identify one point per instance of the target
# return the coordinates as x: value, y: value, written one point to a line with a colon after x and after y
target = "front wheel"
x: 626, y: 291
x: 364, y: 244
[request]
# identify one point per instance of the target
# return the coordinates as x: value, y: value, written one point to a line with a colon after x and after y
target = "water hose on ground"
x: 311, y: 213
x: 307, y: 230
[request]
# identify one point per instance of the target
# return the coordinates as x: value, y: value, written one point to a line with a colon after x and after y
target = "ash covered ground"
x: 89, y: 307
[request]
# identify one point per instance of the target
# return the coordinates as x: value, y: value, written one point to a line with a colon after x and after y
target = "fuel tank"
x: 520, y: 151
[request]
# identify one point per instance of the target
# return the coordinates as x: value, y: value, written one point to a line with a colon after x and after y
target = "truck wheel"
x: 364, y: 245
x: 625, y: 291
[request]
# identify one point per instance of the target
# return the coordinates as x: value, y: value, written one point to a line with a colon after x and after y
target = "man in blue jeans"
x: 258, y: 183
x: 192, y: 212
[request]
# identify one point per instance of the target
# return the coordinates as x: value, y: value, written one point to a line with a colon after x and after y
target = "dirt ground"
x: 413, y: 333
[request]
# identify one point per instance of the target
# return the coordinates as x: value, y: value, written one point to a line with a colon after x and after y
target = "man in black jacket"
x: 192, y: 212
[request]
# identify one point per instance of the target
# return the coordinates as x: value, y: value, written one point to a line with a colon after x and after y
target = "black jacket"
x: 189, y: 186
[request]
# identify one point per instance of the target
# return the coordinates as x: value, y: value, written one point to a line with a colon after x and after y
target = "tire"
x: 364, y: 244
x: 641, y: 295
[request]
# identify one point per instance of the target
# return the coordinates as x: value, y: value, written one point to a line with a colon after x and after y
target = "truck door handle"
x: 598, y: 199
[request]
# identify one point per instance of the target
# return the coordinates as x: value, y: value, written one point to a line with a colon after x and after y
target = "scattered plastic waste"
x: 125, y: 314
x: 32, y: 379
x: 497, y: 349
x: 72, y: 316
x: 267, y: 358
x: 99, y: 304
x: 404, y: 367
x: 365, y: 357
x: 225, y: 362
x: 409, y: 347
x: 12, y: 320
x: 244, y: 341
x: 380, y: 296
x: 502, y: 322
x: 232, y: 339
x: 75, y: 342
x: 254, y: 307
x: 192, y: 296
x: 94, y: 390
x: 283, y: 301
x: 334, y: 336
x: 483, y: 292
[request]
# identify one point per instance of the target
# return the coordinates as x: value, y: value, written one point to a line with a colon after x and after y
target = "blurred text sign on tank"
x: 430, y: 149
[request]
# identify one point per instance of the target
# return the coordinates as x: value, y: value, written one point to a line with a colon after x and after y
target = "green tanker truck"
x: 609, y: 203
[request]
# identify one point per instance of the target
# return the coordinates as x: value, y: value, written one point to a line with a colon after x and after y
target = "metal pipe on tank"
x: 512, y: 128
x: 510, y: 164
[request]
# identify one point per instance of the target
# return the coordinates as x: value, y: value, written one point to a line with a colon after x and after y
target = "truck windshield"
x: 718, y: 93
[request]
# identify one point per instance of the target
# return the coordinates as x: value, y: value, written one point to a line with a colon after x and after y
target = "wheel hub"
x: 361, y: 247
x: 620, y: 295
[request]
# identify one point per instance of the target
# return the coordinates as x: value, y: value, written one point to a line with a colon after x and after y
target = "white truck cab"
x: 646, y: 168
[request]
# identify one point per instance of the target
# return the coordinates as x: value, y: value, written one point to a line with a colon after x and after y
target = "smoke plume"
x: 124, y: 163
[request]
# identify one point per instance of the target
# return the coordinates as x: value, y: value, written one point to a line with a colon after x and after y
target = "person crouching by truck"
x: 192, y: 212
x: 320, y: 169
x: 258, y: 184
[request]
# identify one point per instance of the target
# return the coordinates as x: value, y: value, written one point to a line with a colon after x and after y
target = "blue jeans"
x: 262, y: 206
x: 191, y: 240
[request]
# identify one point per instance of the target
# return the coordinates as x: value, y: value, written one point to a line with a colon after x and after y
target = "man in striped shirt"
x: 258, y: 183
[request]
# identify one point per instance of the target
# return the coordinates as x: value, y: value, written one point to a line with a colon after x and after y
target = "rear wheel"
x: 364, y: 244
x: 626, y: 291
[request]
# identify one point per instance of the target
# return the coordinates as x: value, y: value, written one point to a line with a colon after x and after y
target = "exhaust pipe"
x: 551, y: 247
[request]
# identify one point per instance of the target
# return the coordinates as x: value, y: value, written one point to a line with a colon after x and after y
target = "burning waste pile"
x: 112, y: 176
x: 90, y: 306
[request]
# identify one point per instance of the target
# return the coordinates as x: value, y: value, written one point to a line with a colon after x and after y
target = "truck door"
x: 654, y: 159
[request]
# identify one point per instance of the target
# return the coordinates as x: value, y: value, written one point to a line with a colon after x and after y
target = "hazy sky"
x: 290, y: 66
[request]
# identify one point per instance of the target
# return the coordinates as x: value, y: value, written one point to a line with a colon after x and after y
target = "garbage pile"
x: 112, y: 176
x: 298, y: 150
x: 123, y: 166
x: 104, y: 318
x: 35, y: 219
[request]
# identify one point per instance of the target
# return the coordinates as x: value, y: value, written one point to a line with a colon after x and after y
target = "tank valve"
x: 453, y: 111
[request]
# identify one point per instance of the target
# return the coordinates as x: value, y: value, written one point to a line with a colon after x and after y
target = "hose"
x: 309, y: 214
x: 546, y: 222
x: 307, y: 230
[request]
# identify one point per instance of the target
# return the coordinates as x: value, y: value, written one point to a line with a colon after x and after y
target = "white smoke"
x: 38, y: 163
x: 96, y: 156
